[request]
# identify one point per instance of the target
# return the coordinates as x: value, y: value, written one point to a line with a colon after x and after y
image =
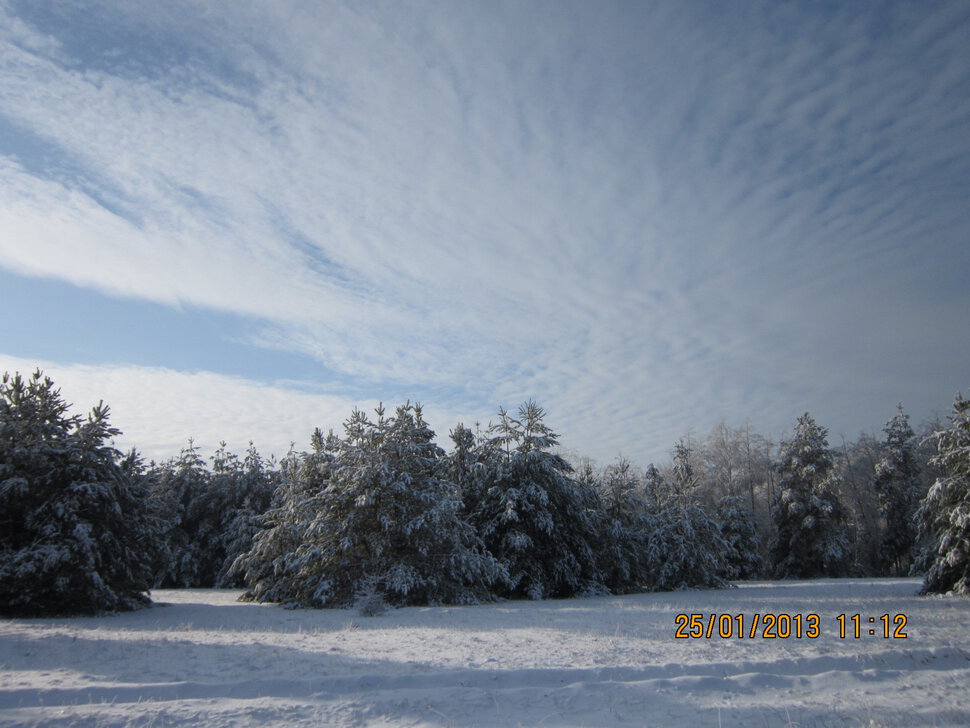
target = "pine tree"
x: 626, y: 524
x: 538, y: 521
x: 742, y: 559
x: 249, y: 494
x: 387, y: 522
x: 810, y: 538
x: 945, y: 512
x: 268, y: 568
x: 898, y: 490
x: 179, y: 492
x: 73, y: 525
x: 467, y: 466
x: 685, y: 550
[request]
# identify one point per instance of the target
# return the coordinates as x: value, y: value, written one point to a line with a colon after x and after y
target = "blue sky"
x: 241, y: 220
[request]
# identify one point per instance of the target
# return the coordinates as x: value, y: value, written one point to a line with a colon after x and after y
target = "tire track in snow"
x: 738, y: 678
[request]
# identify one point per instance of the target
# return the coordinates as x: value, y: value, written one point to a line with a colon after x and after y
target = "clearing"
x: 202, y: 658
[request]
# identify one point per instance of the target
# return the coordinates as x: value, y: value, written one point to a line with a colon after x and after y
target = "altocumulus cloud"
x: 650, y: 217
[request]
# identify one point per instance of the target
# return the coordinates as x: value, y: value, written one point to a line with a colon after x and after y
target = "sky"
x: 241, y: 220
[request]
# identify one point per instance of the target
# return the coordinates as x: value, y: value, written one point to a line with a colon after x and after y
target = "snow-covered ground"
x: 205, y: 659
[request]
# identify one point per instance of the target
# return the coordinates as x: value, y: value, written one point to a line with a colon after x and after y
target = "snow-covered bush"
x: 945, y: 512
x: 369, y: 601
x: 74, y: 536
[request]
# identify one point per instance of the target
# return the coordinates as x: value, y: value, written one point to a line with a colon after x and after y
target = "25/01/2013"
x: 785, y: 626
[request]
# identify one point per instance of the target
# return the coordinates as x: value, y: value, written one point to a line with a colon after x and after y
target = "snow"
x: 206, y: 659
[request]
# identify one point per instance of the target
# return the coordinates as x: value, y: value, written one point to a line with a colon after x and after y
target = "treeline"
x: 381, y: 515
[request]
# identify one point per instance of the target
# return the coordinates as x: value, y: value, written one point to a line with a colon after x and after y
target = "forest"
x: 380, y: 515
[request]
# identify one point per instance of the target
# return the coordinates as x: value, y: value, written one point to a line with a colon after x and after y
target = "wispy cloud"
x: 649, y: 217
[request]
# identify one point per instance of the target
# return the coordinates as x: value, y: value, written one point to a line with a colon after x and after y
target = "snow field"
x: 206, y: 659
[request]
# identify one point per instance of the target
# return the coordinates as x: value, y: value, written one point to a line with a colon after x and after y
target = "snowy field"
x: 205, y: 659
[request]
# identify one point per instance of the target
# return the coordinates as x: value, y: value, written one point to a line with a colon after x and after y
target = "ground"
x: 200, y: 657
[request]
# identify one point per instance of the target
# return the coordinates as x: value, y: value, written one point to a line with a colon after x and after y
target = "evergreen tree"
x: 468, y: 467
x: 625, y: 526
x: 268, y: 567
x: 178, y: 492
x: 539, y: 522
x: 73, y: 525
x: 742, y: 559
x: 387, y: 522
x: 685, y: 550
x: 811, y: 539
x: 249, y: 494
x: 211, y: 515
x: 898, y: 490
x: 945, y: 512
x: 656, y: 491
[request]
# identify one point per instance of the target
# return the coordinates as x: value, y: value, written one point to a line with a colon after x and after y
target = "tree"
x: 537, y: 520
x: 945, y: 512
x: 247, y: 493
x: 742, y: 559
x: 685, y: 549
x: 810, y: 540
x: 73, y: 525
x: 626, y: 523
x: 387, y: 522
x: 212, y: 514
x: 268, y: 567
x: 178, y: 493
x: 897, y: 486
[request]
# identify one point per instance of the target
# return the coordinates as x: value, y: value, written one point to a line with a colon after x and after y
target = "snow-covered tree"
x: 211, y: 514
x: 811, y: 538
x: 685, y: 549
x: 742, y: 559
x: 656, y: 490
x: 537, y: 520
x: 899, y: 491
x: 854, y: 470
x: 387, y: 521
x: 945, y: 512
x: 625, y: 526
x: 73, y: 526
x: 268, y: 567
x: 468, y: 466
x: 248, y: 493
x: 177, y: 488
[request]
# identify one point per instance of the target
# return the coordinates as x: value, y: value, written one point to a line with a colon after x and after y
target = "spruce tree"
x: 945, y: 512
x: 73, y: 525
x: 810, y: 538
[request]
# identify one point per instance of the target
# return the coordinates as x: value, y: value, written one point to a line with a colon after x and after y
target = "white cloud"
x: 647, y: 218
x: 159, y: 409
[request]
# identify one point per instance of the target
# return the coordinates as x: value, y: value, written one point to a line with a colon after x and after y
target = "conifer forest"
x: 387, y: 513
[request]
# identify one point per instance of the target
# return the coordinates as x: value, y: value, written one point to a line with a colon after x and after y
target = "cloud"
x: 649, y: 218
